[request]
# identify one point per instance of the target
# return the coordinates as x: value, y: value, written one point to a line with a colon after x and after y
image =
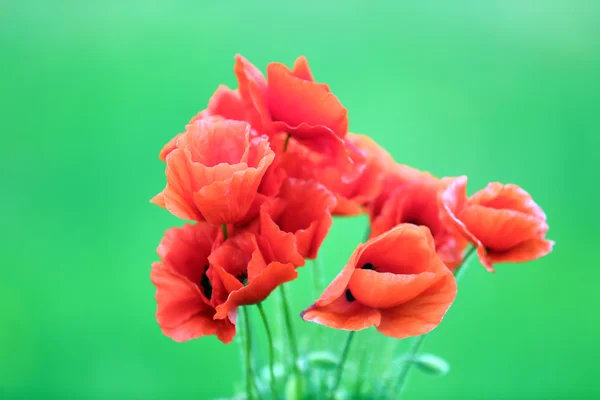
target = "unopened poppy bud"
x: 431, y: 364
x: 323, y: 360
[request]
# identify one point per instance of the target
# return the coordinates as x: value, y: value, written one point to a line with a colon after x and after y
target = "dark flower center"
x: 243, y: 277
x: 205, y: 283
x: 349, y: 296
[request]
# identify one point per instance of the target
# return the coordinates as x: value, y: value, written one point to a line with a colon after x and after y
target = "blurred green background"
x: 91, y: 90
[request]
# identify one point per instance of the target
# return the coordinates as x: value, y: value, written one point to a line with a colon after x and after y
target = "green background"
x: 91, y: 90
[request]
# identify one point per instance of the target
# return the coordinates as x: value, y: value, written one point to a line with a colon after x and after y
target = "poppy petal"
x: 528, y: 250
x: 276, y: 244
x: 196, y: 327
x: 216, y: 172
x: 500, y: 230
x: 301, y: 69
x: 396, y: 175
x: 511, y: 197
x: 225, y: 202
x: 253, y: 88
x: 339, y: 284
x: 182, y: 312
x: 159, y: 200
x: 386, y: 290
x: 239, y: 256
x: 227, y: 103
x: 295, y: 101
x: 307, y: 214
x: 353, y: 196
x: 342, y: 314
x: 422, y: 314
x: 186, y: 249
x: 169, y: 147
x: 258, y: 288
x: 405, y: 249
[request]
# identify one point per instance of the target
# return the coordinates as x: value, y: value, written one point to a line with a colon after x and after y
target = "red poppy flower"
x: 395, y: 176
x: 334, y: 171
x: 503, y: 222
x: 183, y: 288
x: 224, y: 104
x: 416, y: 202
x: 215, y: 171
x: 353, y: 195
x: 354, y: 185
x: 298, y: 104
x: 294, y: 224
x: 243, y: 274
x: 291, y: 101
x: 395, y: 282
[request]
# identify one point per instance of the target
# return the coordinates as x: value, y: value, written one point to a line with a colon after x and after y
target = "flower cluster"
x: 262, y: 171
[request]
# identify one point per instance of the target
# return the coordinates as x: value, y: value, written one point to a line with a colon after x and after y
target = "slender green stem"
x: 286, y: 143
x: 408, y: 361
x: 460, y: 271
x: 292, y: 339
x: 317, y: 279
x: 288, y: 325
x: 317, y: 337
x: 225, y: 233
x: 263, y: 315
x: 362, y: 364
x: 418, y: 341
x: 247, y: 343
x: 340, y: 368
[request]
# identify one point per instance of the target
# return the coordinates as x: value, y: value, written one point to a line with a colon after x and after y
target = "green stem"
x: 408, y: 361
x: 249, y: 374
x: 288, y: 324
x: 418, y: 341
x: 317, y: 280
x: 362, y: 364
x: 460, y: 271
x: 246, y: 346
x: 286, y: 143
x: 263, y: 315
x: 340, y: 368
x: 225, y: 233
x: 291, y: 338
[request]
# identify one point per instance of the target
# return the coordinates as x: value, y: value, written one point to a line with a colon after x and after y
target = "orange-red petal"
x: 295, y: 101
x: 307, y: 214
x: 253, y: 88
x: 423, y: 313
x: 500, y: 229
x: 258, y: 288
x: 405, y: 249
x: 526, y: 251
x: 227, y: 103
x: 169, y: 147
x: 511, y: 197
x: 215, y: 171
x: 277, y: 245
x: 182, y: 312
x: 186, y: 249
x: 386, y: 290
x: 342, y: 314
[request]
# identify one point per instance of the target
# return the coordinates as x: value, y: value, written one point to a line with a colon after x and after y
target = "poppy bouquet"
x: 260, y: 173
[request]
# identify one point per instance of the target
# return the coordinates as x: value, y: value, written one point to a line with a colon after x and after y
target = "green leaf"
x: 430, y: 364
